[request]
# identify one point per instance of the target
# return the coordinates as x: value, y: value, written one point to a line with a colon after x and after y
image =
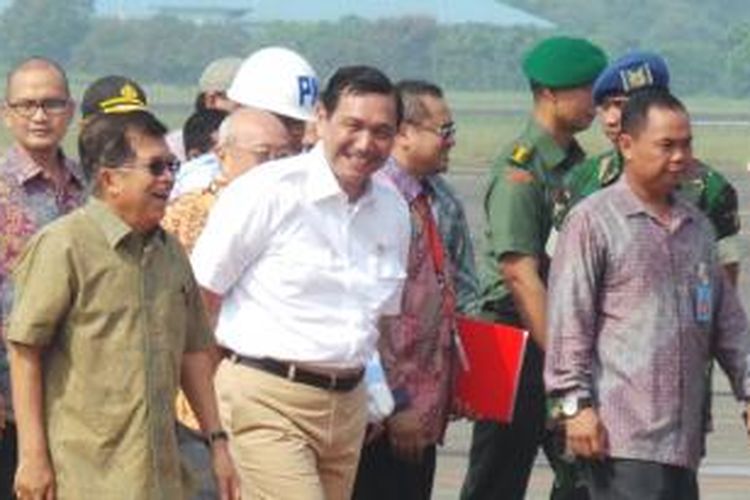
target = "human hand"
x: 227, y: 478
x: 34, y: 479
x: 585, y: 435
x: 374, y: 431
x: 405, y: 435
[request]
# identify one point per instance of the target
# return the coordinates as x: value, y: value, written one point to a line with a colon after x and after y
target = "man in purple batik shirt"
x: 638, y: 307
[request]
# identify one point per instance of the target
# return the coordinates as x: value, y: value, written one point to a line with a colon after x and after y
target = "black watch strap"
x: 219, y: 435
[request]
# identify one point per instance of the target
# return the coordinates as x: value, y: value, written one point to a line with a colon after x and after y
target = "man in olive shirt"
x: 107, y: 322
x: 525, y: 187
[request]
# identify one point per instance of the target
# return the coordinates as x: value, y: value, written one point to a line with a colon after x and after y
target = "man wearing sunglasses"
x: 38, y: 183
x: 107, y: 323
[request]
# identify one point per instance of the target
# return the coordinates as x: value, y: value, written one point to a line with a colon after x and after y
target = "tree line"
x: 708, y: 54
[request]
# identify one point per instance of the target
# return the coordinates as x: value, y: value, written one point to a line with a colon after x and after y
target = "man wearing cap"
x: 273, y: 79
x: 525, y: 186
x: 112, y: 94
x: 212, y: 94
x: 38, y: 183
x: 705, y: 187
x: 307, y: 254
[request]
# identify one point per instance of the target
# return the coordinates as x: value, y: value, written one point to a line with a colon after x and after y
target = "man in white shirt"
x: 306, y: 255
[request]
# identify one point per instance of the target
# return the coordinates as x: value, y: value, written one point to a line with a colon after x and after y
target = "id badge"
x: 703, y: 296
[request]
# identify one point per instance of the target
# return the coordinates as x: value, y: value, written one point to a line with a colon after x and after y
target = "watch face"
x: 570, y: 407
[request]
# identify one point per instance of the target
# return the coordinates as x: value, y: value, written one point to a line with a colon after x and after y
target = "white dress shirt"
x: 304, y: 273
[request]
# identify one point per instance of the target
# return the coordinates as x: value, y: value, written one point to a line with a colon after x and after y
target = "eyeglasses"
x: 446, y: 131
x: 263, y: 154
x: 158, y: 166
x: 28, y: 107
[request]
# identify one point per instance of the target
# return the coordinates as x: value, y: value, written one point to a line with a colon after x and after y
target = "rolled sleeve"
x: 44, y: 284
x: 574, y: 281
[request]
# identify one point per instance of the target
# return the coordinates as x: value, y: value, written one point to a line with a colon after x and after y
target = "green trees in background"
x: 51, y: 28
x: 707, y: 44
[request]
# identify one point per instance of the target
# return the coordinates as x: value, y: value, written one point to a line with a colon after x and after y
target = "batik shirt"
x: 28, y: 201
x: 637, y: 308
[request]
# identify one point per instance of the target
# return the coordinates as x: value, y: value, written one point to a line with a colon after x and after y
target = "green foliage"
x: 155, y: 49
x: 49, y: 28
x: 691, y: 34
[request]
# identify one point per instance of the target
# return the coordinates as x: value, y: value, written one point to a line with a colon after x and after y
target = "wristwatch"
x: 571, y: 405
x: 218, y: 435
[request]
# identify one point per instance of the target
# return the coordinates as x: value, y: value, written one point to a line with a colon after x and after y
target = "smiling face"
x: 136, y: 194
x: 357, y: 137
x: 37, y: 107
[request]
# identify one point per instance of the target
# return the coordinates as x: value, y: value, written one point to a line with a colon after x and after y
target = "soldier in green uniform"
x: 525, y: 187
x: 704, y: 186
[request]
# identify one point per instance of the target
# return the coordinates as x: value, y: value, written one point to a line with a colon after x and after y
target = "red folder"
x: 492, y: 359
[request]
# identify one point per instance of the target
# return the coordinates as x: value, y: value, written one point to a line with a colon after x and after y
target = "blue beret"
x: 633, y: 71
x: 560, y: 62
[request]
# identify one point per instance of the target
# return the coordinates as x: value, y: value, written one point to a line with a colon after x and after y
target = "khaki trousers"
x: 290, y: 440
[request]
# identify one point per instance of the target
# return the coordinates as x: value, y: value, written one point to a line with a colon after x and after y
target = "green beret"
x: 560, y: 62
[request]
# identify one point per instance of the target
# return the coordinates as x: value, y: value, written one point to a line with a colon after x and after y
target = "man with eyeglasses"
x: 107, y: 323
x: 38, y: 183
x: 417, y: 347
x: 247, y: 138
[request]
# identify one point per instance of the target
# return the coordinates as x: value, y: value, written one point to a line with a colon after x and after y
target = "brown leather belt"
x: 295, y: 373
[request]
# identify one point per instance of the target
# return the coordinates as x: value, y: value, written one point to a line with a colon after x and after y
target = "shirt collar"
x: 408, y: 185
x: 631, y: 205
x: 25, y: 169
x: 321, y: 183
x: 114, y: 228
x: 550, y: 152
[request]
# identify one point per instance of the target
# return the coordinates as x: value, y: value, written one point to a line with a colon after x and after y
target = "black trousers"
x: 8, y: 460
x: 502, y: 455
x: 382, y: 475
x: 618, y: 479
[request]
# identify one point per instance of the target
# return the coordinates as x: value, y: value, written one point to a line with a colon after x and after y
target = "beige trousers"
x: 290, y: 440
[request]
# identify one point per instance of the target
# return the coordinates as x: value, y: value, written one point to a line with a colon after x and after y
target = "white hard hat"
x: 278, y: 80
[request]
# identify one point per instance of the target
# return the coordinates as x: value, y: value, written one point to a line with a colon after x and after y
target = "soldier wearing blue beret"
x: 705, y: 187
x: 525, y: 185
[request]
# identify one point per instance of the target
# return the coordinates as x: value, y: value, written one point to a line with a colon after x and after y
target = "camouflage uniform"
x: 705, y: 187
x: 526, y: 189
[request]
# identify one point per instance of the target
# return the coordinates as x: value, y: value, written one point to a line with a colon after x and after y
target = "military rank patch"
x: 518, y: 176
x: 521, y: 154
x: 635, y: 78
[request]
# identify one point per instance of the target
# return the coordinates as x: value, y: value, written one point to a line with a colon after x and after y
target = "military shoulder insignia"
x: 635, y: 78
x: 516, y: 175
x: 609, y: 171
x: 521, y: 154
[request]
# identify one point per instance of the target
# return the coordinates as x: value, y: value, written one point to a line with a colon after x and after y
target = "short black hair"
x: 105, y: 139
x: 359, y: 80
x: 198, y: 128
x: 635, y: 112
x: 411, y: 92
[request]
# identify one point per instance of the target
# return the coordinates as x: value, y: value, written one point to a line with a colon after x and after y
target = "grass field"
x: 489, y: 120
